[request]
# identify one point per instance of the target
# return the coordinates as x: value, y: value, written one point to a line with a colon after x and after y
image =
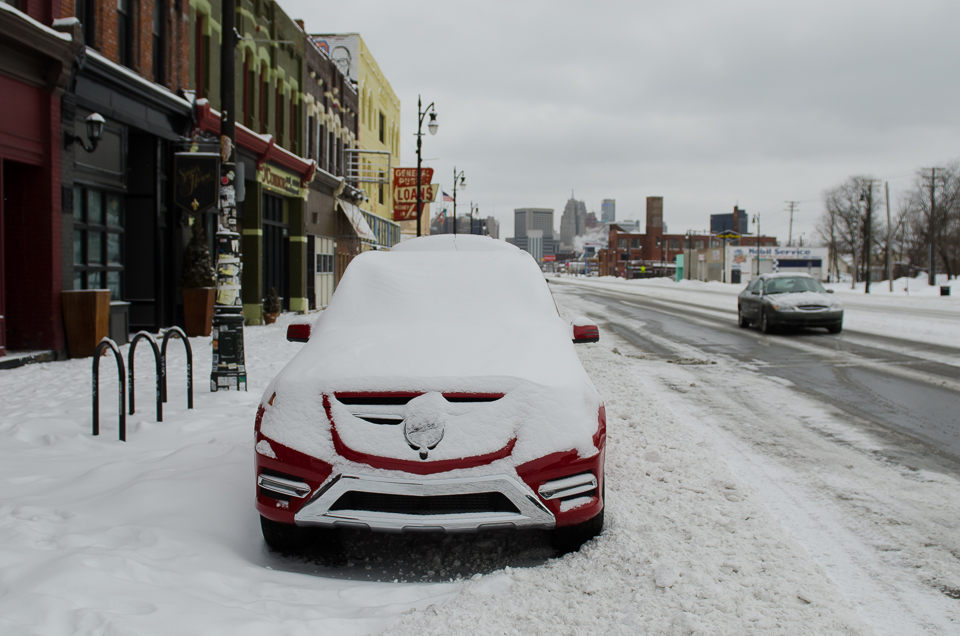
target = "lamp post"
x: 756, y: 219
x: 472, y: 208
x: 463, y: 186
x: 432, y: 126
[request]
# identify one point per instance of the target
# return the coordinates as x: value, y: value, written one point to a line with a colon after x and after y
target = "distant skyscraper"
x: 525, y: 221
x: 608, y: 210
x: 572, y: 223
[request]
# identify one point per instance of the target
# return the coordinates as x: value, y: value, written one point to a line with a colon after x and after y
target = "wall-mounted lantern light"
x: 94, y: 126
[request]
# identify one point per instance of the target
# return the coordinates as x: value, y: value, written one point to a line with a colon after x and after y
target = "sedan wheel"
x: 765, y: 325
x: 744, y: 323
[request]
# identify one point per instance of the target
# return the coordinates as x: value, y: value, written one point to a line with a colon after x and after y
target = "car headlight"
x: 781, y: 306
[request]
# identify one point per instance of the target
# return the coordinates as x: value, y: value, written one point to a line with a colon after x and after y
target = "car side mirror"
x: 298, y: 332
x: 584, y: 331
x: 829, y: 291
x: 755, y: 292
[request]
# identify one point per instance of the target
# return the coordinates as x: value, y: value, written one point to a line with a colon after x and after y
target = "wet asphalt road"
x: 910, y: 403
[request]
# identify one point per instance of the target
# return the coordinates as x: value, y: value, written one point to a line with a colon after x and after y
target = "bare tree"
x: 842, y: 224
x: 932, y: 210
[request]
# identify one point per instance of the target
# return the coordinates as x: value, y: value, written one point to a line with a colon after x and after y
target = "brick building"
x: 641, y: 255
x: 35, y: 64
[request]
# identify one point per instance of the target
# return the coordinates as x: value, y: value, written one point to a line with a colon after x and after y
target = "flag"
x: 447, y: 197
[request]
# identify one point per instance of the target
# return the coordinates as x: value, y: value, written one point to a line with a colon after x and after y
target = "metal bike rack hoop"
x: 178, y: 332
x: 107, y: 343
x: 143, y: 335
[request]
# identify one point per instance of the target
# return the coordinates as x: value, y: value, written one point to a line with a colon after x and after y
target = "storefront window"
x: 98, y: 240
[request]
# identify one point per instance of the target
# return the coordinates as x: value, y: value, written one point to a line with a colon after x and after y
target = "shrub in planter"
x: 271, y: 306
x: 198, y: 280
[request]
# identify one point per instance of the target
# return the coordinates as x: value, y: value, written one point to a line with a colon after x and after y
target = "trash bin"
x: 944, y: 290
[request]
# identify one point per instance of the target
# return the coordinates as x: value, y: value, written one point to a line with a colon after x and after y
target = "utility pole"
x: 229, y: 367
x: 868, y: 236
x: 793, y: 206
x: 932, y: 270
x: 886, y: 188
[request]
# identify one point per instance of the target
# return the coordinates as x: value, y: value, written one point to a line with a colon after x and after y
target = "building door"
x: 276, y: 248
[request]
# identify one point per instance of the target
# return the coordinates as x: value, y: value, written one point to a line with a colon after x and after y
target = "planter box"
x: 198, y: 311
x: 86, y: 316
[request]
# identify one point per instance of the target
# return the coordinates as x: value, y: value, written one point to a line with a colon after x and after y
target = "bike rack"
x: 143, y: 335
x: 105, y: 344
x: 178, y: 332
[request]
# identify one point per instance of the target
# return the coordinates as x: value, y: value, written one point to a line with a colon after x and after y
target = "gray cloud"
x: 708, y: 104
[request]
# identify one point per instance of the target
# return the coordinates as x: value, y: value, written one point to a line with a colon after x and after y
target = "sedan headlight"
x: 782, y: 306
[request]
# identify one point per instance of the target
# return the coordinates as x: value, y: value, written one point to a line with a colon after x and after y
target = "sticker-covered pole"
x: 228, y: 369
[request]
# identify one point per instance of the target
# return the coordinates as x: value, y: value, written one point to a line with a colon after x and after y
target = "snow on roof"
x: 454, y: 242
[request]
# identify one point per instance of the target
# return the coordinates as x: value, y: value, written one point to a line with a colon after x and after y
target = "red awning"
x: 208, y: 120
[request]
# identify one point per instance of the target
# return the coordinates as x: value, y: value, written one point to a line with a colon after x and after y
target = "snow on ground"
x: 720, y: 520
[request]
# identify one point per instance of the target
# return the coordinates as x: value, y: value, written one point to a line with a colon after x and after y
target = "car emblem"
x: 423, y: 427
x: 423, y: 434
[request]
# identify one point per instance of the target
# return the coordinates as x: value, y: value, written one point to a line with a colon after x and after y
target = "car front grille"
x: 429, y: 505
x: 811, y: 307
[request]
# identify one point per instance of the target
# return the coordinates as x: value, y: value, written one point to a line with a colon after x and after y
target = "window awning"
x: 355, y: 216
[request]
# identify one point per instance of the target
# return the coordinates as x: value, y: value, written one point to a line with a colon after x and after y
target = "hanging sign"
x: 197, y: 181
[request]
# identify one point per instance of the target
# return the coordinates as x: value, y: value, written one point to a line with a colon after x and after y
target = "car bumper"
x: 800, y: 318
x: 429, y: 505
x: 554, y: 491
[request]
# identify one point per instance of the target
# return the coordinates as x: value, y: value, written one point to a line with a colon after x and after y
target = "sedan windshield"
x: 791, y: 284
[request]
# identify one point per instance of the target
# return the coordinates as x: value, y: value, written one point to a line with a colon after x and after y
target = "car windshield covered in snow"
x: 792, y: 284
x: 412, y: 314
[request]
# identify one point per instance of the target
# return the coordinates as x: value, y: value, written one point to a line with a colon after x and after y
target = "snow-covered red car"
x: 439, y: 391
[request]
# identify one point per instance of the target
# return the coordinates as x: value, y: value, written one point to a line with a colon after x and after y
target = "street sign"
x: 405, y: 191
x: 728, y: 235
x: 404, y: 210
x: 407, y: 178
x: 549, y: 258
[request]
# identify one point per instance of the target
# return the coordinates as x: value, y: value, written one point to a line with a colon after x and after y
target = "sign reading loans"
x: 280, y: 181
x: 405, y: 191
x: 197, y: 177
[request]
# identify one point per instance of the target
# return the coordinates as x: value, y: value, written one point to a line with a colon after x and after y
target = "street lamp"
x: 432, y: 127
x: 472, y: 208
x: 756, y: 219
x: 463, y: 186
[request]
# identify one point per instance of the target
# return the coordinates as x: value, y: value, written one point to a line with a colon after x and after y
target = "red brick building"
x: 632, y: 255
x: 653, y: 253
x: 35, y: 63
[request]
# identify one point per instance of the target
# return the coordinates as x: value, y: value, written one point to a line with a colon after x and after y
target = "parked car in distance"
x: 439, y: 391
x: 794, y: 300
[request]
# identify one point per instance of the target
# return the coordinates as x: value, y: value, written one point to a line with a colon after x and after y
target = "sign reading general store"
x: 280, y: 181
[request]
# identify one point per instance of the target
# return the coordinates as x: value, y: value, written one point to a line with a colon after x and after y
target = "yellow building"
x: 379, y: 137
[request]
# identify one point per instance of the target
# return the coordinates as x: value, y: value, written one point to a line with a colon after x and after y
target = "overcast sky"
x: 707, y: 104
